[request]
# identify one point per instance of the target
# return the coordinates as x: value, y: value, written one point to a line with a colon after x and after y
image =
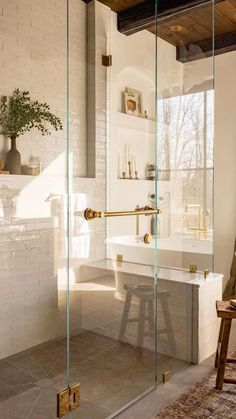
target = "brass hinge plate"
x: 119, y: 258
x: 165, y: 376
x: 193, y: 269
x: 107, y: 60
x: 68, y: 400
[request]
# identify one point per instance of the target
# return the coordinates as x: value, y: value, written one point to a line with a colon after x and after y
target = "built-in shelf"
x: 136, y: 122
x: 24, y: 177
x: 149, y: 180
x: 5, y: 175
x: 140, y: 180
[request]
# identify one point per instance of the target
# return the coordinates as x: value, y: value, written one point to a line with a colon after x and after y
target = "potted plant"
x: 19, y: 114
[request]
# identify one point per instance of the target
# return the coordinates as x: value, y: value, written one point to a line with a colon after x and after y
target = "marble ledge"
x: 170, y: 274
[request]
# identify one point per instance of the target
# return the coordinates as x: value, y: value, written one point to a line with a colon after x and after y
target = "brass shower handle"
x: 90, y: 214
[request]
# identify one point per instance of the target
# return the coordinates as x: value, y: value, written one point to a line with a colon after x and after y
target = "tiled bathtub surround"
x: 187, y: 325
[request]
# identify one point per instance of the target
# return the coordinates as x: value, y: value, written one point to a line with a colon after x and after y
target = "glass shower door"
x: 112, y: 299
x: 132, y: 297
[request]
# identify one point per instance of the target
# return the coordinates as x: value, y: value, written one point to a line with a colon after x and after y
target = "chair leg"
x: 219, y: 343
x: 141, y: 322
x: 168, y: 323
x: 223, y: 354
x: 150, y: 316
x: 125, y: 316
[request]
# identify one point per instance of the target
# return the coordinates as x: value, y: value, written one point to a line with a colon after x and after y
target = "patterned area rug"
x: 203, y: 400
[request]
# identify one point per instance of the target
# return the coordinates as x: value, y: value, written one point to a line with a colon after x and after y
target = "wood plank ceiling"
x: 196, y: 25
x: 181, y: 27
x: 119, y: 5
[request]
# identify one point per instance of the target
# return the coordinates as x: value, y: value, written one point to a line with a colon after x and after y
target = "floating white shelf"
x: 136, y: 123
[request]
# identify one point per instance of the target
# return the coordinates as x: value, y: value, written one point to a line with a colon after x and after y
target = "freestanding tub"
x: 177, y: 251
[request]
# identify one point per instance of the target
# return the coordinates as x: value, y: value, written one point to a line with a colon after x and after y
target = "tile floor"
x: 111, y: 374
x: 164, y: 394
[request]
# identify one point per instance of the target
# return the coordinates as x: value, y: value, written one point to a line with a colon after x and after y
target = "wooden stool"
x: 145, y: 294
x: 226, y: 313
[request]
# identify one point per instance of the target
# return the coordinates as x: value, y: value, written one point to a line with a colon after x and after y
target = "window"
x: 185, y: 147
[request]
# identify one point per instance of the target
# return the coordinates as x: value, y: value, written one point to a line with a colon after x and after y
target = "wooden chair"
x: 226, y: 313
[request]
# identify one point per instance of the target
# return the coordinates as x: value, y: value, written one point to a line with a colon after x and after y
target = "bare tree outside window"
x: 185, y: 147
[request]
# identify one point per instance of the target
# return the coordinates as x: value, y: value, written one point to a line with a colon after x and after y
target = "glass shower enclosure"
x: 107, y: 223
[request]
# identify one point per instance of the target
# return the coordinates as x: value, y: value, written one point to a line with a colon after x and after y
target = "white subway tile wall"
x: 33, y: 239
x: 28, y: 283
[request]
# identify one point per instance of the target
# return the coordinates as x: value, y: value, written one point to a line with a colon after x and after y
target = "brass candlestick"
x: 136, y: 175
x: 123, y: 174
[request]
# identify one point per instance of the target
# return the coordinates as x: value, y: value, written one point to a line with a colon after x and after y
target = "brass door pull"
x: 147, y: 238
x: 90, y: 214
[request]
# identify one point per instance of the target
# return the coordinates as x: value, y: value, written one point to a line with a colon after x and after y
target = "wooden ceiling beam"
x: 144, y: 15
x: 206, y: 48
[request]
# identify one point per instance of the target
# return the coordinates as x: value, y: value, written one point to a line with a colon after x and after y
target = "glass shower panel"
x: 33, y: 196
x: 185, y: 107
x: 185, y: 169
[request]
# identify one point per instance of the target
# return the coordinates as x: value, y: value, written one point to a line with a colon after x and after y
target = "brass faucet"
x: 199, y: 229
x: 146, y: 208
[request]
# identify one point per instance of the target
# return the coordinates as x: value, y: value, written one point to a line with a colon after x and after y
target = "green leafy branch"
x: 18, y: 114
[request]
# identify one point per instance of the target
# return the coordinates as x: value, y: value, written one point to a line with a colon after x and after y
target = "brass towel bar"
x: 90, y: 214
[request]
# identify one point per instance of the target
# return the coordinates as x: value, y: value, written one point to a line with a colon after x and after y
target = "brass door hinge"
x: 119, y: 258
x: 107, y: 60
x: 165, y: 376
x: 193, y: 269
x: 68, y: 400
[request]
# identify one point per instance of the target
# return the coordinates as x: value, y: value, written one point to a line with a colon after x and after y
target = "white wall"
x: 225, y: 161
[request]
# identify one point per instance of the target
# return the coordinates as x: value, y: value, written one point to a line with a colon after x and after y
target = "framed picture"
x: 131, y: 103
x: 133, y: 99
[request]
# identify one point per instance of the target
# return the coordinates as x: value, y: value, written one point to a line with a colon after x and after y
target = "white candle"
x: 126, y: 157
x: 135, y: 164
x: 129, y: 152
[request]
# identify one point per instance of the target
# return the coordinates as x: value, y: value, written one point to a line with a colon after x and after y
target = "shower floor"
x: 110, y: 374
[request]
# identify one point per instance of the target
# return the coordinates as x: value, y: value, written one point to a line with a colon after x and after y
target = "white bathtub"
x: 177, y: 251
